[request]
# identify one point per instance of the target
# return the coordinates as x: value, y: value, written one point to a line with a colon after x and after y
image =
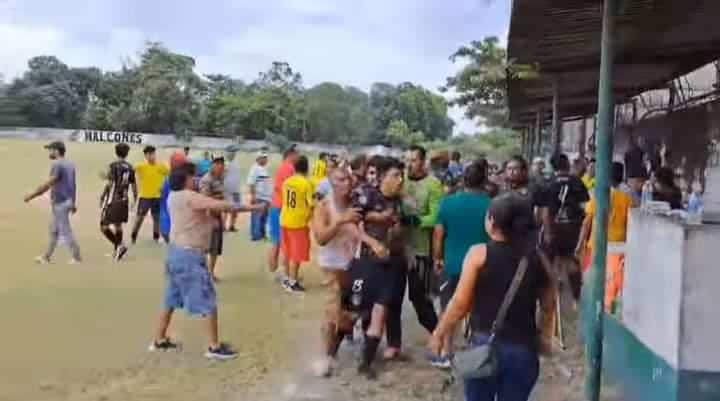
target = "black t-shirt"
x: 564, y: 197
x: 120, y: 175
x: 635, y: 163
x: 673, y: 196
x: 492, y: 284
x: 368, y: 198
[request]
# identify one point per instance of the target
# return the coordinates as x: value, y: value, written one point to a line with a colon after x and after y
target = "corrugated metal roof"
x: 657, y: 40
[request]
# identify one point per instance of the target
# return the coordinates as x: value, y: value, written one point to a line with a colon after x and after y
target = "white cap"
x: 261, y: 154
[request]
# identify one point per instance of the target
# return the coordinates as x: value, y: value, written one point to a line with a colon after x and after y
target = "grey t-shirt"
x: 64, y: 187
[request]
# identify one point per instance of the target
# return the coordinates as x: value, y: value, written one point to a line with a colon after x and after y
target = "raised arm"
x: 437, y: 247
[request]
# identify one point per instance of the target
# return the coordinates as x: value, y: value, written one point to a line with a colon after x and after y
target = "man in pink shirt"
x: 189, y: 284
x: 285, y: 171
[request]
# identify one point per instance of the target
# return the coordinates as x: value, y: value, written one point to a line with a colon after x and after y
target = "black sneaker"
x: 121, y: 252
x: 164, y: 346
x: 222, y: 353
x: 296, y: 288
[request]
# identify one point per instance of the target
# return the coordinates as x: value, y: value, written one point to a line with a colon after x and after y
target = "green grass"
x: 80, y: 332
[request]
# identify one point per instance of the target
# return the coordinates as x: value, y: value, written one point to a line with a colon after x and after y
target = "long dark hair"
x: 512, y: 215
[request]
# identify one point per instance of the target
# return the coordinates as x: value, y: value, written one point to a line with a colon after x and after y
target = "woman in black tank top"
x: 487, y: 273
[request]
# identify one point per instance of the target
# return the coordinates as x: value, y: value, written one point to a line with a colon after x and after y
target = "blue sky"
x: 353, y: 42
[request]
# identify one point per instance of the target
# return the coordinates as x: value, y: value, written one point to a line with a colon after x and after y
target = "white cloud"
x: 351, y: 42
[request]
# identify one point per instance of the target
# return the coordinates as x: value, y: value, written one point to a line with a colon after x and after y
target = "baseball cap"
x: 261, y: 154
x: 218, y: 158
x: 538, y: 160
x: 56, y: 145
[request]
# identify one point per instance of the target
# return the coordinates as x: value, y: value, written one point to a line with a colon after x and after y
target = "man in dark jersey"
x: 114, y: 200
x: 563, y: 215
x: 372, y: 288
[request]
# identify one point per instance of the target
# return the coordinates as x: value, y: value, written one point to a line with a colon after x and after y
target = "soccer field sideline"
x: 77, y: 331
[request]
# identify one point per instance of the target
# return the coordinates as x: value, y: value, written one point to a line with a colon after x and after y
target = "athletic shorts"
x: 274, y: 225
x: 370, y: 282
x: 295, y: 244
x: 151, y: 205
x: 188, y: 283
x: 448, y: 285
x: 216, y: 241
x: 114, y: 213
x: 565, y: 240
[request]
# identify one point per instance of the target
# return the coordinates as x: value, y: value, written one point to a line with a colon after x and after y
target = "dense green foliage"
x: 481, y: 85
x: 162, y: 93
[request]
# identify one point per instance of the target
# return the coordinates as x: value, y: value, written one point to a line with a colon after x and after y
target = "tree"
x: 481, y: 86
x: 399, y: 133
x: 422, y: 110
x: 337, y: 114
x: 52, y: 94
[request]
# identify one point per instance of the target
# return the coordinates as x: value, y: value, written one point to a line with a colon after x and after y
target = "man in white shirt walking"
x: 260, y: 185
x: 232, y: 185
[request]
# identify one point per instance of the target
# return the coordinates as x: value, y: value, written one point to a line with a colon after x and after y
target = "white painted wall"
x: 161, y: 140
x: 653, y: 283
x: 700, y: 317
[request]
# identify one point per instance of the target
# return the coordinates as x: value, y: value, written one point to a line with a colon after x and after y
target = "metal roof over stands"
x: 656, y: 41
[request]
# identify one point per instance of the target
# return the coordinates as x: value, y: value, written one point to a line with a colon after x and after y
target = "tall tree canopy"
x: 161, y: 92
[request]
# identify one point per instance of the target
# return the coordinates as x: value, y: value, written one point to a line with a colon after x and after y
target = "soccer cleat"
x: 120, y: 253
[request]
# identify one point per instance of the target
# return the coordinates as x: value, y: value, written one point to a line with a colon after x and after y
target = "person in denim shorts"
x: 188, y: 282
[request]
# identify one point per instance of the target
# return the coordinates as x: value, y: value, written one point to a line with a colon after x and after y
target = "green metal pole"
x: 596, y: 291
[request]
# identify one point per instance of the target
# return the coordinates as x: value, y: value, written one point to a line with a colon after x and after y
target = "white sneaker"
x: 42, y: 260
x: 74, y: 261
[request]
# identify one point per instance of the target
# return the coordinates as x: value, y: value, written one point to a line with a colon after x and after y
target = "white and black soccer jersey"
x: 120, y: 176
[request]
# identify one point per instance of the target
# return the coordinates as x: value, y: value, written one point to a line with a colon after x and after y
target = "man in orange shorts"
x: 295, y: 214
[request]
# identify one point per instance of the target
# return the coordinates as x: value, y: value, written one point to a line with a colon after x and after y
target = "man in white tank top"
x: 335, y: 226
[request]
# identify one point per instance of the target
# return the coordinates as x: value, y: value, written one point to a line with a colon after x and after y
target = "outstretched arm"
x: 44, y: 187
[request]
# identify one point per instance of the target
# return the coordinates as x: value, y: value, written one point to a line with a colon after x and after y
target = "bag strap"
x: 509, y: 297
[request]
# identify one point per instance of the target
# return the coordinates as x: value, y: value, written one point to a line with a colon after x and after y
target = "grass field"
x: 81, y: 332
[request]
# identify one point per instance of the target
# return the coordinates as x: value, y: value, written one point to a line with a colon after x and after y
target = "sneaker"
x: 295, y: 288
x: 164, y: 346
x: 286, y: 285
x: 221, y: 353
x: 440, y: 362
x: 120, y: 253
x: 74, y: 261
x: 42, y: 260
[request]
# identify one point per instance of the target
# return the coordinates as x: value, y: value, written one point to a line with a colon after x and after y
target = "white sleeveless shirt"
x: 341, y: 249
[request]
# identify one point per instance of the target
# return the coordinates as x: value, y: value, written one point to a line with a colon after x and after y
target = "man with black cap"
x: 63, y: 195
x: 212, y: 184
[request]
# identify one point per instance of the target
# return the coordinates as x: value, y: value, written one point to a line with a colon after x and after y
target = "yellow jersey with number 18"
x: 297, y: 202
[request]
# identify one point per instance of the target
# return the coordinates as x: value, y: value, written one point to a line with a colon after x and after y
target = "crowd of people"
x: 430, y: 225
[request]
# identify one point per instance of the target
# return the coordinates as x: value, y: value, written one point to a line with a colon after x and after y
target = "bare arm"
x: 205, y: 203
x: 584, y: 234
x: 437, y: 246
x: 253, y: 194
x: 44, y: 187
x: 461, y: 303
x: 321, y: 226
